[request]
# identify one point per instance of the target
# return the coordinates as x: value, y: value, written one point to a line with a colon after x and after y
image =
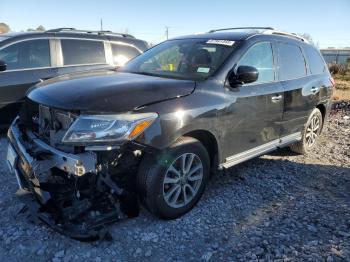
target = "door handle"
x: 276, y: 98
x: 314, y: 89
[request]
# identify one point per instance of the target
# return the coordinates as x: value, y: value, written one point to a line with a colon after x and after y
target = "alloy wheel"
x: 312, y: 131
x: 182, y: 180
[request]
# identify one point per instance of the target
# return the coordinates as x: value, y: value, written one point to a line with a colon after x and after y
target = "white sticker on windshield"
x: 221, y: 42
x: 203, y: 70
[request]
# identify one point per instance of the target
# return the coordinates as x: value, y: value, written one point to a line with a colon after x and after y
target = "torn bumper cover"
x: 72, y: 193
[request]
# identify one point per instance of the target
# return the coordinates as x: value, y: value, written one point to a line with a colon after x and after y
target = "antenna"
x: 167, y: 32
x: 101, y: 25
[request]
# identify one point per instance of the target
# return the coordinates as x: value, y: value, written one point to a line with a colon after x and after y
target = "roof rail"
x: 71, y: 29
x: 240, y: 28
x: 61, y: 29
x: 276, y: 32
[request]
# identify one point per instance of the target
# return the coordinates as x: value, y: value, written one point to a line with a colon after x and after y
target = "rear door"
x: 28, y: 62
x: 254, y: 116
x: 77, y: 55
x: 300, y: 95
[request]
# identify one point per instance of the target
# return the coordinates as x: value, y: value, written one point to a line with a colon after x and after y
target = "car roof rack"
x: 241, y: 28
x: 71, y: 29
x: 276, y: 32
x: 265, y: 31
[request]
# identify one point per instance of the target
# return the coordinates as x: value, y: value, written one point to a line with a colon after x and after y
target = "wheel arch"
x: 210, y: 143
x: 323, y: 111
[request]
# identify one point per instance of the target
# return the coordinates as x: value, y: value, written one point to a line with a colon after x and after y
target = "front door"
x: 253, y: 118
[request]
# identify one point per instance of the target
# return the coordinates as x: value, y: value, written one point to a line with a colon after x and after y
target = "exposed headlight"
x: 108, y: 128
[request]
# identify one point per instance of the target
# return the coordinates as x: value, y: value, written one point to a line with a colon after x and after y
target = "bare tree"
x: 4, y: 28
x: 308, y: 37
x: 40, y: 28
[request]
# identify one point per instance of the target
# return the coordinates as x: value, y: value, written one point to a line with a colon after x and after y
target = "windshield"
x: 192, y: 59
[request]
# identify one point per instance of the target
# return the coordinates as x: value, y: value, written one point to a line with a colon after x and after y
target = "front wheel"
x: 172, y: 182
x: 310, y: 134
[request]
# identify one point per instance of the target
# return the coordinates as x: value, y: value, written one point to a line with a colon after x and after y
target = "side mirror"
x: 244, y: 75
x: 2, y: 66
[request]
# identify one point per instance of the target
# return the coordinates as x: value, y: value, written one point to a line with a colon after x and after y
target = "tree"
x: 308, y: 37
x: 40, y: 28
x: 4, y: 28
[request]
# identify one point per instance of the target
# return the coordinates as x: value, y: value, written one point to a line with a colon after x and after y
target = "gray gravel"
x: 280, y: 206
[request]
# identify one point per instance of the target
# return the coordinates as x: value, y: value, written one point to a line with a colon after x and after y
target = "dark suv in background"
x: 98, y: 141
x: 30, y: 57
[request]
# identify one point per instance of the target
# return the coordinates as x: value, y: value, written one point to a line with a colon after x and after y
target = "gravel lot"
x: 280, y: 206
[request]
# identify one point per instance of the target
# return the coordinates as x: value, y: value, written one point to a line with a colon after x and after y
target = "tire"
x: 304, y: 146
x: 156, y: 170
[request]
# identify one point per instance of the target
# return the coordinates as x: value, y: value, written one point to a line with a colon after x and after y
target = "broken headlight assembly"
x: 108, y: 128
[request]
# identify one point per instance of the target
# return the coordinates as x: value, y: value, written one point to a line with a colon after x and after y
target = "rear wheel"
x: 173, y: 181
x: 310, y: 133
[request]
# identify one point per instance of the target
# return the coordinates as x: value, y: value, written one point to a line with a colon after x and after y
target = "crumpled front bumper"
x: 30, y: 159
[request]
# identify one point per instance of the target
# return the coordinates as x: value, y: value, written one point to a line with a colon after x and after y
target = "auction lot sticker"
x: 221, y: 42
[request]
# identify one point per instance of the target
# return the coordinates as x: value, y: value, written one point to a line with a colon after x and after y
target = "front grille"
x: 48, y: 124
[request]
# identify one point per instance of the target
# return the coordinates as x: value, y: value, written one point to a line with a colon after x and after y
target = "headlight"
x: 108, y: 128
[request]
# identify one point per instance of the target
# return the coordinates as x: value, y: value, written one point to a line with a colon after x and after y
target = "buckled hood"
x: 107, y: 91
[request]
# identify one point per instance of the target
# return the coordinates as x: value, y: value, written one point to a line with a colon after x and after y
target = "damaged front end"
x: 76, y: 190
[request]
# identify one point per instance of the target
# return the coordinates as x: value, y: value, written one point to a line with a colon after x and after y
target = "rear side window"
x: 80, y: 52
x: 123, y: 53
x: 260, y: 56
x: 314, y: 59
x: 291, y: 62
x: 27, y: 54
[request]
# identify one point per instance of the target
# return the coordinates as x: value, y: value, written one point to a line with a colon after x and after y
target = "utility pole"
x: 101, y: 25
x: 167, y: 32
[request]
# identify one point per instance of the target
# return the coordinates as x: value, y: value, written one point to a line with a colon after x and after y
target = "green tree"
x: 4, y: 28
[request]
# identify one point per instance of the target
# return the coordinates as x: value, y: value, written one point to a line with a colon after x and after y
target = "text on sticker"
x: 221, y: 42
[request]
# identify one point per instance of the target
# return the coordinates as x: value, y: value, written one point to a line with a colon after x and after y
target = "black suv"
x: 27, y: 58
x: 156, y: 129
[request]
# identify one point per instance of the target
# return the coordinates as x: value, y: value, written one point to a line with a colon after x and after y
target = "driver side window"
x: 260, y: 56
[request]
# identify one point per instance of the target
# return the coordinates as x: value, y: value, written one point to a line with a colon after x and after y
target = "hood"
x: 107, y: 91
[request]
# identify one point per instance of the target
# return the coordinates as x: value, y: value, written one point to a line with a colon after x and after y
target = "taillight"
x: 332, y: 81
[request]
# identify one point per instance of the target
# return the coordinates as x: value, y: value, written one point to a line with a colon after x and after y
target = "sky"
x: 328, y: 22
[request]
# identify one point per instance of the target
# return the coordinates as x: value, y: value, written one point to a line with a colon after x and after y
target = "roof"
x: 234, y: 36
x: 73, y: 33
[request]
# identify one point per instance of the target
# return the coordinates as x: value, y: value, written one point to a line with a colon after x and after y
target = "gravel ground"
x: 280, y: 206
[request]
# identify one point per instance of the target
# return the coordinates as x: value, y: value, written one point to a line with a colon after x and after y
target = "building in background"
x: 336, y: 56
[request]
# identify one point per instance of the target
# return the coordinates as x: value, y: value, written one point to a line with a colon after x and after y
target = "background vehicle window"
x: 27, y: 54
x: 79, y: 52
x: 315, y: 61
x: 260, y: 56
x: 291, y: 62
x: 123, y: 53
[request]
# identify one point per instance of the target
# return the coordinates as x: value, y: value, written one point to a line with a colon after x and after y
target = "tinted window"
x: 78, y: 52
x: 123, y: 53
x: 291, y: 62
x: 315, y: 60
x: 260, y: 56
x: 28, y: 54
